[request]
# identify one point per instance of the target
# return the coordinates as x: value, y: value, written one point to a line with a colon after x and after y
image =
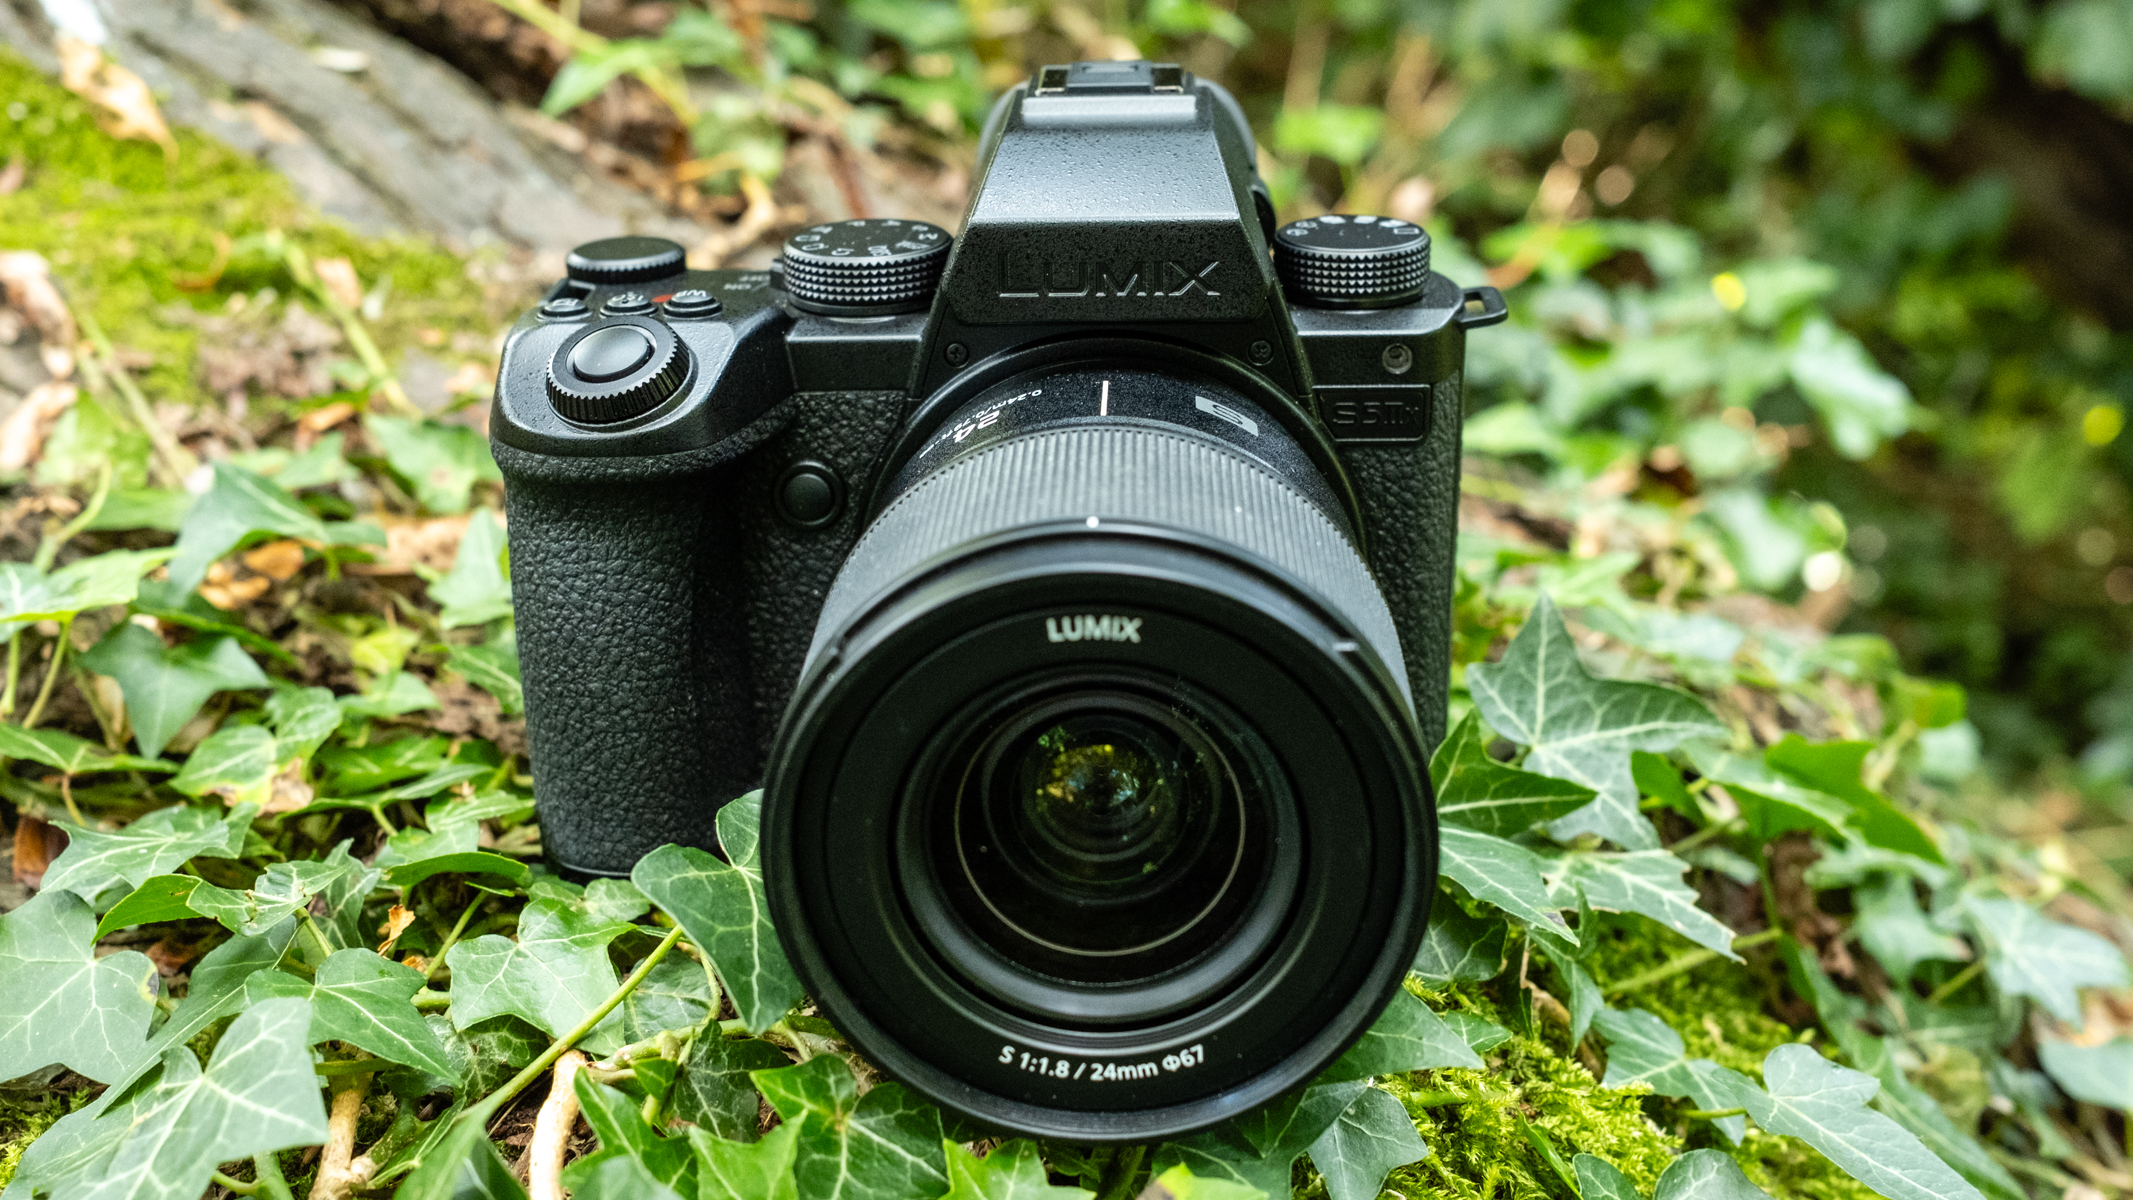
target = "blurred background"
x: 1820, y: 306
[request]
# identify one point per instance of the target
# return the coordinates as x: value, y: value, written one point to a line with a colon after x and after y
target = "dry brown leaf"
x: 396, y: 923
x: 276, y: 560
x: 433, y: 543
x: 37, y: 843
x: 125, y: 106
x: 13, y: 175
x: 290, y: 791
x: 26, y: 281
x: 227, y: 592
x: 338, y: 276
x: 22, y: 437
x: 472, y: 378
x: 415, y: 962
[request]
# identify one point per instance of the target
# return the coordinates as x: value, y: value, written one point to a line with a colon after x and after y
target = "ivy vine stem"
x: 51, y: 673
x: 539, y: 1066
x: 1956, y: 982
x: 1688, y: 961
x: 1120, y: 1172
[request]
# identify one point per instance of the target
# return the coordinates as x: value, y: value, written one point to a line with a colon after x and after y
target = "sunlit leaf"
x: 62, y: 751
x: 443, y: 462
x: 2100, y: 1075
x: 1644, y: 1049
x: 554, y: 975
x: 237, y: 762
x: 1703, y: 1175
x: 365, y: 1000
x: 97, y: 862
x: 885, y: 1145
x: 761, y: 1170
x: 1645, y: 882
x: 1009, y: 1171
x: 1373, y: 1135
x: 723, y: 909
x: 1501, y: 873
x: 1480, y: 793
x: 2028, y: 954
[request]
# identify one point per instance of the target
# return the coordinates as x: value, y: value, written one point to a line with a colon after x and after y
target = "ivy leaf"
x: 2028, y: 954
x: 623, y: 1132
x: 1581, y: 728
x: 1834, y: 768
x: 1599, y: 1180
x: 237, y: 507
x: 1373, y: 1136
x: 1861, y: 404
x: 1704, y: 1175
x: 761, y: 1170
x: 676, y: 994
x: 459, y: 1162
x: 1271, y: 1138
x: 714, y: 1089
x: 1771, y: 804
x: 443, y: 462
x: 1913, y: 1108
x: 284, y: 888
x: 1179, y: 1183
x: 1824, y: 1105
x: 59, y: 1003
x: 477, y: 590
x: 28, y: 594
x: 885, y: 1145
x: 554, y: 975
x: 304, y: 717
x: 1584, y: 1000
x: 165, y: 685
x: 1010, y: 1171
x: 1478, y: 792
x: 1645, y: 882
x: 96, y: 862
x: 1501, y: 873
x: 2099, y: 1075
x: 390, y: 695
x: 493, y: 669
x: 367, y: 1001
x: 1896, y: 932
x: 1408, y: 1036
x: 1644, y: 1049
x: 611, y: 1176
x: 256, y: 1095
x: 1480, y: 1034
x: 1457, y: 946
x: 237, y: 762
x: 62, y: 751
x: 724, y: 911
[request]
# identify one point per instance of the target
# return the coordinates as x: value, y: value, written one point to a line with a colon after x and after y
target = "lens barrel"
x: 1100, y: 812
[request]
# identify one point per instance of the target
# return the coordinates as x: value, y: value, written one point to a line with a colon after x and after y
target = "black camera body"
x: 1079, y: 592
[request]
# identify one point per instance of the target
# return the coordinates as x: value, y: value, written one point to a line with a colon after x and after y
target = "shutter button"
x: 611, y: 353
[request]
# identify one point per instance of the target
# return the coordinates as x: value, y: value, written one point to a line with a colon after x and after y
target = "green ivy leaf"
x: 2100, y: 1075
x: 614, y: 1176
x: 1584, y: 1000
x: 1478, y: 792
x: 1373, y: 1136
x: 165, y: 685
x: 1599, y: 1180
x: 443, y: 462
x: 238, y: 507
x: 1010, y: 1171
x: 97, y: 862
x: 1257, y: 1150
x: 1480, y: 1034
x: 303, y: 717
x: 1581, y: 728
x: 477, y: 590
x: 676, y: 994
x: 367, y: 1001
x: 1501, y: 873
x: 619, y: 1123
x: 1703, y: 1175
x: 724, y: 911
x: 761, y: 1170
x: 1408, y: 1036
x: 59, y: 1003
x: 493, y: 669
x: 554, y: 975
x: 1179, y: 1183
x: 236, y: 762
x: 1457, y: 946
x: 256, y: 1095
x: 885, y: 1145
x: 63, y: 751
x: 1644, y: 1049
x: 1861, y: 404
x: 1824, y: 1105
x: 28, y: 595
x: 1645, y: 882
x: 459, y: 1162
x: 390, y: 695
x: 1770, y: 803
x: 714, y: 1089
x: 2028, y: 954
x: 1896, y: 932
x: 1834, y: 768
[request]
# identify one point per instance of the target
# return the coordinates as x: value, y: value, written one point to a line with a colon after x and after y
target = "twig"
x: 551, y: 1130
x: 49, y: 548
x: 761, y: 215
x: 335, y: 1180
x: 351, y: 323
x: 178, y: 463
x: 1119, y: 1174
x: 452, y: 939
x: 1685, y: 962
x: 51, y: 673
x: 1714, y: 1114
x: 1955, y: 984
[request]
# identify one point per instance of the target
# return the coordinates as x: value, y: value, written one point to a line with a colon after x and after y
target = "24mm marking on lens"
x: 1100, y: 1072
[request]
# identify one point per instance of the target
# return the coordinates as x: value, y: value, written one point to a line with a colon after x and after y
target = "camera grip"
x: 632, y: 647
x: 1410, y: 500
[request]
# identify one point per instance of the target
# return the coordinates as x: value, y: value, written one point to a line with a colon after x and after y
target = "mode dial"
x: 1339, y: 261
x: 617, y: 369
x: 625, y: 260
x: 864, y: 268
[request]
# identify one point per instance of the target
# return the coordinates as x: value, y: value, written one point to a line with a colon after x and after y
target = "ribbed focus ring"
x: 1130, y: 473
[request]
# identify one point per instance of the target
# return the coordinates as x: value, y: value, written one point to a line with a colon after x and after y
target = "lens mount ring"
x: 1362, y: 846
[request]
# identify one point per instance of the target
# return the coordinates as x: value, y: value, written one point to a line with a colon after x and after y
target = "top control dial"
x: 625, y: 260
x: 865, y: 268
x: 1338, y: 261
x: 616, y: 369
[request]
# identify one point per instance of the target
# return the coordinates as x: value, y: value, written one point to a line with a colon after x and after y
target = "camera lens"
x: 1094, y: 837
x: 1103, y: 758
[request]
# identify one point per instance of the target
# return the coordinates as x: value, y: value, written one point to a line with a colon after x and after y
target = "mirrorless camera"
x: 1078, y: 588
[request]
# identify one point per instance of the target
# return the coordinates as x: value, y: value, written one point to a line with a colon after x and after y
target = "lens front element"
x: 1095, y: 838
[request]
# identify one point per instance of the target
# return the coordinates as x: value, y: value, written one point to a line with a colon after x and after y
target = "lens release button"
x: 611, y: 353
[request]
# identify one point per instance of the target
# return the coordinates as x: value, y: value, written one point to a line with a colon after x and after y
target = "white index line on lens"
x: 1103, y: 402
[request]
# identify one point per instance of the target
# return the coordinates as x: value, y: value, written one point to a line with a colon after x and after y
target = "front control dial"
x: 617, y: 369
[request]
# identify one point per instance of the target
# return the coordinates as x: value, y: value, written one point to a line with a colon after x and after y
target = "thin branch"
x: 1685, y: 962
x: 335, y: 1180
x: 551, y: 1130
x: 51, y: 674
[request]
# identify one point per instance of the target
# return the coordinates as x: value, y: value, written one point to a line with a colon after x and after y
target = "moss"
x: 24, y: 1120
x: 124, y: 227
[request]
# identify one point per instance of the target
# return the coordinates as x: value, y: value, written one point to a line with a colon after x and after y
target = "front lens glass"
x: 1099, y: 837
